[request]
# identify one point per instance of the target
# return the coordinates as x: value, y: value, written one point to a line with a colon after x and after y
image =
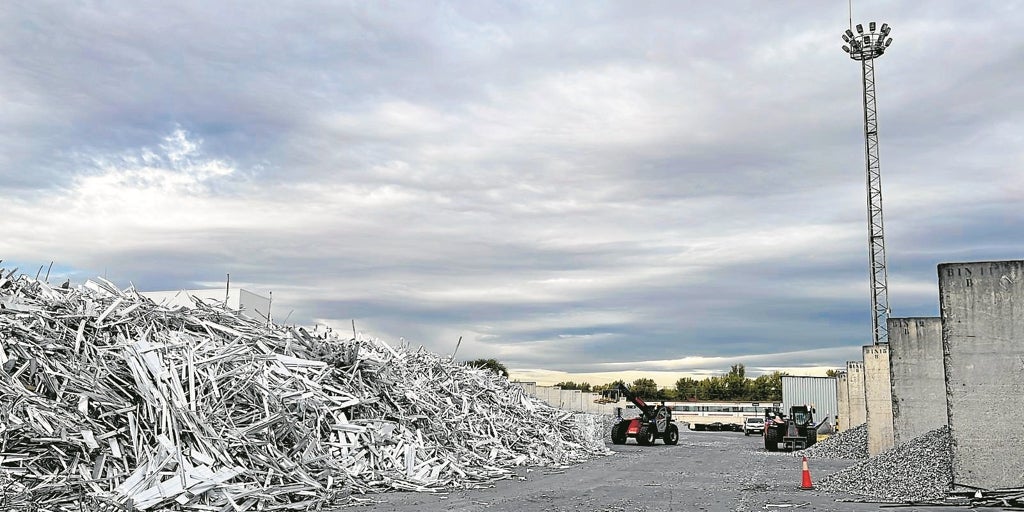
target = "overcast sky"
x: 584, y: 187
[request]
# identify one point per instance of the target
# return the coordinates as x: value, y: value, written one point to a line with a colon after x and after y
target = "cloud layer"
x: 569, y: 188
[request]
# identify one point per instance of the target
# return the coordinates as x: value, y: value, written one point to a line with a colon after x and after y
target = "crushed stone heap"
x: 917, y: 470
x: 848, y: 444
x: 109, y: 400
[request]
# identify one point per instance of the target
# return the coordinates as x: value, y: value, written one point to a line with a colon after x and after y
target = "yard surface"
x: 706, y: 471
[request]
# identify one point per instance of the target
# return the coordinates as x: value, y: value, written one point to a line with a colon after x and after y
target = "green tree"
x: 490, y: 364
x: 831, y: 372
x: 736, y: 385
x: 712, y: 388
x: 661, y: 394
x: 737, y: 370
x: 597, y: 388
x: 644, y: 388
x: 583, y: 386
x: 686, y: 388
x: 768, y: 387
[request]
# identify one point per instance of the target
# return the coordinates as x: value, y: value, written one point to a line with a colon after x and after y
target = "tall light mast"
x: 866, y: 47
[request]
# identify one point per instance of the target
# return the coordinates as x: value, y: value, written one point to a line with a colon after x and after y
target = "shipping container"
x: 819, y: 392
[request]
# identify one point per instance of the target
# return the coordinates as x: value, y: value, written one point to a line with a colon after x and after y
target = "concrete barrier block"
x: 918, y: 377
x: 982, y: 310
x: 855, y: 383
x: 878, y: 398
x: 843, y: 399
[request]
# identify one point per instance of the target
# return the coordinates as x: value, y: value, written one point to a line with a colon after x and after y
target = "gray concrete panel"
x: 530, y: 388
x: 550, y: 394
x: 918, y: 378
x: 588, y: 402
x: 982, y: 309
x: 575, y: 402
x: 843, y: 399
x: 855, y: 382
x: 593, y: 404
x: 878, y: 398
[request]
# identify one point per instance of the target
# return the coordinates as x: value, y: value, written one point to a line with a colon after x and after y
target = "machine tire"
x: 812, y: 436
x: 645, y: 437
x: 671, y: 435
x: 771, y: 439
x: 619, y: 433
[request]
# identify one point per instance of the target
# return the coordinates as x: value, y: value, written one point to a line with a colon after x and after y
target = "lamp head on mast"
x: 867, y: 45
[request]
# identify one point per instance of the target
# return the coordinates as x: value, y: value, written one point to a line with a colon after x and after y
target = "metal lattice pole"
x: 866, y: 47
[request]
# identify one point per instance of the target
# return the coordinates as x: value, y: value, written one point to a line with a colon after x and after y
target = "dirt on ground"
x: 706, y: 471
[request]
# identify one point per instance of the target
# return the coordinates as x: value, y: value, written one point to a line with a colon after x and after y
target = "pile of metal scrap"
x: 109, y: 399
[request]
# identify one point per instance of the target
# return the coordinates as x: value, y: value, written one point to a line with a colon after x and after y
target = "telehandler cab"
x: 795, y: 432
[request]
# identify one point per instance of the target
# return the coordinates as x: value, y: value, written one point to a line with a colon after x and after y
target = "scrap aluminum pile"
x: 110, y: 401
x: 848, y: 444
x: 917, y: 470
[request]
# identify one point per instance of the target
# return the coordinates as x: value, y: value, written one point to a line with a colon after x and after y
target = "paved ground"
x: 706, y: 471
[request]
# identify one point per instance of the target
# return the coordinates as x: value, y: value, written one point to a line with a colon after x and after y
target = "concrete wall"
x: 552, y: 395
x: 918, y: 378
x: 855, y: 382
x: 588, y: 403
x: 982, y: 309
x: 529, y: 387
x: 591, y: 406
x: 878, y: 398
x: 843, y: 399
x: 571, y: 400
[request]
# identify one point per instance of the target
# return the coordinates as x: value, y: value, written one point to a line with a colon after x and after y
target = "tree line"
x: 734, y: 386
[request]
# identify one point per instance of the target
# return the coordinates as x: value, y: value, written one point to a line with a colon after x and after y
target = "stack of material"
x: 848, y: 444
x: 109, y: 399
x: 917, y: 470
x: 1006, y: 499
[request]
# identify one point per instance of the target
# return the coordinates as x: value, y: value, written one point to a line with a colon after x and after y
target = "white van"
x: 753, y: 424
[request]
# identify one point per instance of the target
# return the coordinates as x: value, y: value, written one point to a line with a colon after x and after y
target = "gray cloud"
x: 664, y: 187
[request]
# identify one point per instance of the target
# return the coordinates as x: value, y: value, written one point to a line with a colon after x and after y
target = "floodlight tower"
x: 866, y: 47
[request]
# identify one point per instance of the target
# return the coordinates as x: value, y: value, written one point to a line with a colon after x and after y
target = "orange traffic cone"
x: 806, y: 484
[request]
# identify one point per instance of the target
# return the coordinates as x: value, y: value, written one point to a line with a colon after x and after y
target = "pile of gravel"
x: 848, y: 444
x: 918, y: 470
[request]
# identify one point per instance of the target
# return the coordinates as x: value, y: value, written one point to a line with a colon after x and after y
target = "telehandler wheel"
x: 812, y: 436
x: 671, y: 435
x: 645, y: 437
x: 771, y: 439
x: 619, y: 433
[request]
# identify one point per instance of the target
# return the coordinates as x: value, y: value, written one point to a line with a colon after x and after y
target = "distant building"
x: 249, y: 303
